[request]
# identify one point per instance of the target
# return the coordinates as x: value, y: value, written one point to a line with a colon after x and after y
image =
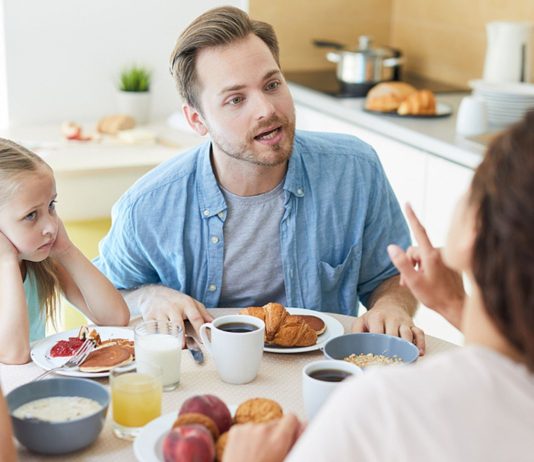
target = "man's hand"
x: 424, y: 273
x: 390, y: 319
x: 267, y: 442
x: 164, y: 303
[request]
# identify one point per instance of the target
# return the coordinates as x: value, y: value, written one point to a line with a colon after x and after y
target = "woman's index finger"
x: 418, y: 230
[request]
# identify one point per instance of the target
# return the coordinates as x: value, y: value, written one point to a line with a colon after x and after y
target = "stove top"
x: 325, y: 81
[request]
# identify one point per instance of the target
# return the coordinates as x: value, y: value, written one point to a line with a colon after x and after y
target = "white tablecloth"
x: 279, y: 379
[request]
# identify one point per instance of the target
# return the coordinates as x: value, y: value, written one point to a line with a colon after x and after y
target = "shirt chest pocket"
x: 340, y: 283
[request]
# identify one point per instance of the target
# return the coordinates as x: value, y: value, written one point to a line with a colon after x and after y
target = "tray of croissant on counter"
x: 294, y: 330
x: 401, y: 99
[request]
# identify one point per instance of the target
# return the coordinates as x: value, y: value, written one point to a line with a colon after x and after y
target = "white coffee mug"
x: 320, y: 379
x: 236, y: 346
x: 472, y: 118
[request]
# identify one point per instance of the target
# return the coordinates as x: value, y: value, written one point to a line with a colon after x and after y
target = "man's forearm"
x: 390, y: 292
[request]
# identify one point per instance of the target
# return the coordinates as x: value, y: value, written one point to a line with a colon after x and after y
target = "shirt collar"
x: 211, y: 198
x: 294, y: 177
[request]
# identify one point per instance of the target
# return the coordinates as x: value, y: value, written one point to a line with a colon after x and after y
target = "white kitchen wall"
x: 63, y: 57
x: 3, y: 86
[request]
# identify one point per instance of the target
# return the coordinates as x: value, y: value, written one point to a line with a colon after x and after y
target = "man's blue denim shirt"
x: 340, y: 215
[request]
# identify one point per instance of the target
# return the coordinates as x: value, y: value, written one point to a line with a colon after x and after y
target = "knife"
x: 194, y: 348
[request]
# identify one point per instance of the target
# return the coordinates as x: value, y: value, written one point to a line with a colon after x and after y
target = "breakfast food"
x: 315, y: 322
x: 58, y: 408
x: 189, y: 418
x: 281, y: 328
x: 257, y: 410
x: 369, y: 359
x: 189, y: 442
x: 388, y: 96
x: 192, y: 436
x: 107, y: 354
x: 220, y: 445
x: 67, y: 347
x: 402, y: 98
x: 106, y: 357
x: 210, y: 406
x: 113, y: 124
x: 421, y: 102
x: 70, y: 346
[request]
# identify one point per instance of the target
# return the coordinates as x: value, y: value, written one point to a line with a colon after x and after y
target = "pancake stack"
x: 109, y: 354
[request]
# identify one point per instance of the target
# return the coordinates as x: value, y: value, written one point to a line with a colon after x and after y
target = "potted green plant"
x: 134, y: 92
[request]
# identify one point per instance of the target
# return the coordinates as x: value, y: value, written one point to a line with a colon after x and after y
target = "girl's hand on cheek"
x: 7, y: 249
x: 62, y: 244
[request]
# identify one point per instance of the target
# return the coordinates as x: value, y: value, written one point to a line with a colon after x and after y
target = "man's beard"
x: 242, y: 151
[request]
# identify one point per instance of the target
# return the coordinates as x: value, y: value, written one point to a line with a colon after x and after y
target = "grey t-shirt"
x: 253, y: 274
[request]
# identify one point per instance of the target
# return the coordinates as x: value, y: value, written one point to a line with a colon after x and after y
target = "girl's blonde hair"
x: 16, y: 161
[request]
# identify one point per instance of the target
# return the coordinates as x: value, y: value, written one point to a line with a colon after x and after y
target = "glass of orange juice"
x: 135, y: 398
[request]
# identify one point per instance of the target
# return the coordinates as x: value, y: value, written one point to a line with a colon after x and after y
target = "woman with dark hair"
x: 474, y: 403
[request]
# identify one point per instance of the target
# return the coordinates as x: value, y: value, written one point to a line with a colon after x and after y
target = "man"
x: 259, y: 213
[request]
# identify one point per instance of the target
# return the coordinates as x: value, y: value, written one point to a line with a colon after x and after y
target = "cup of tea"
x: 320, y: 379
x: 135, y: 398
x: 160, y: 342
x: 236, y: 346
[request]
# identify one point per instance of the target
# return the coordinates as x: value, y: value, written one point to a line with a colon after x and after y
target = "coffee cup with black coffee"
x: 236, y: 346
x: 320, y: 379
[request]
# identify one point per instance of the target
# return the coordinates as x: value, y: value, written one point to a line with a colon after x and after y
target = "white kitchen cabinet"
x: 405, y: 166
x: 445, y: 183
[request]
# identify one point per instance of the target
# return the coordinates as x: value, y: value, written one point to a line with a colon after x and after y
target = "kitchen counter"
x: 436, y: 136
x: 91, y: 175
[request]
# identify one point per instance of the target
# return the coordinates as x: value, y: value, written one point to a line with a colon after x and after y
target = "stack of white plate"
x: 506, y: 103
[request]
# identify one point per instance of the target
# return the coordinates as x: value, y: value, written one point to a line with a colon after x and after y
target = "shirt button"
x: 212, y: 287
x: 300, y: 192
x: 214, y: 239
x: 221, y: 215
x: 206, y: 212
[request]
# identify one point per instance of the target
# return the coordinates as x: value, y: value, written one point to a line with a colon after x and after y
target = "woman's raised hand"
x: 423, y: 271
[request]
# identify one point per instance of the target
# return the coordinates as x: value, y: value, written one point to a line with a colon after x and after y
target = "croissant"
x: 281, y: 328
x: 387, y: 96
x: 421, y: 102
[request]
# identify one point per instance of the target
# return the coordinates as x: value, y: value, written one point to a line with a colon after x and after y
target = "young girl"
x: 37, y: 259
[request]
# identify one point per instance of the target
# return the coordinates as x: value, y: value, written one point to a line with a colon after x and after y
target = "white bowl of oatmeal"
x: 365, y: 349
x: 59, y: 415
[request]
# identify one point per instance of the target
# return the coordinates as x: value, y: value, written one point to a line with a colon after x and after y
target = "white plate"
x: 442, y: 110
x: 148, y: 446
x: 333, y: 329
x: 40, y: 352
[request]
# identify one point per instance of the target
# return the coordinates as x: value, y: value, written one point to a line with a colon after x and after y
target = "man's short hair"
x: 216, y: 27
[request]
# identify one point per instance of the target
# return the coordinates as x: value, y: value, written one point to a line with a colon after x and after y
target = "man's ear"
x: 194, y: 119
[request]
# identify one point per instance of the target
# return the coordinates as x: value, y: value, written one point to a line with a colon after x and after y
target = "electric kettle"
x: 509, y: 51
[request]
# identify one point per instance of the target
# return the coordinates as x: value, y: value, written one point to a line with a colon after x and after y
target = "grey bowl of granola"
x: 365, y: 349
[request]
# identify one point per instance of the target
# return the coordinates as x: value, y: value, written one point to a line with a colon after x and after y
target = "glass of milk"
x: 160, y: 342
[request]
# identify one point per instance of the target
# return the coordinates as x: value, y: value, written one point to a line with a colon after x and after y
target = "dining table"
x: 279, y: 378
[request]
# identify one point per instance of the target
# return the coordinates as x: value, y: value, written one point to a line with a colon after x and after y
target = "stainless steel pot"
x: 366, y: 65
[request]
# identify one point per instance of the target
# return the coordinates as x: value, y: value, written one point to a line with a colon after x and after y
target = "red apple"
x: 189, y: 443
x: 210, y: 406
